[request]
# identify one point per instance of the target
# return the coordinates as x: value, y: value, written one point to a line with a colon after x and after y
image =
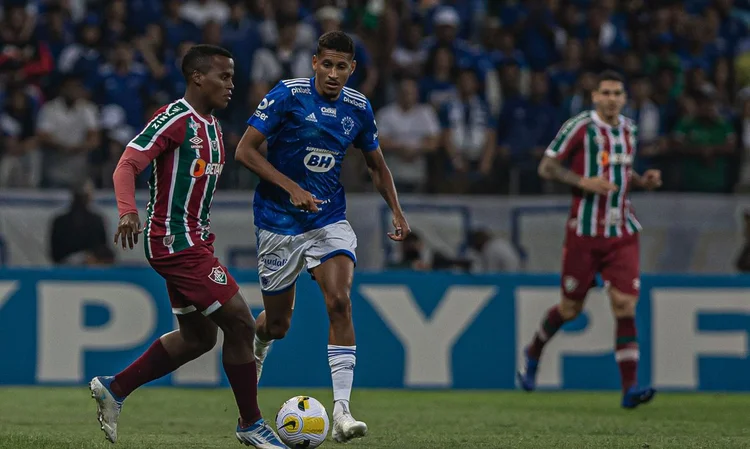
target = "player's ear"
x: 197, y: 78
x: 354, y: 66
x: 315, y: 63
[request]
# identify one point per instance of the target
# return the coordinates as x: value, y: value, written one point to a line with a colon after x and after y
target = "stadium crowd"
x: 467, y: 93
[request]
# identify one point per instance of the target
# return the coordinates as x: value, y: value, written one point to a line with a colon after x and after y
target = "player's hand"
x: 127, y: 230
x: 304, y: 200
x: 651, y: 179
x: 600, y: 186
x: 401, y: 228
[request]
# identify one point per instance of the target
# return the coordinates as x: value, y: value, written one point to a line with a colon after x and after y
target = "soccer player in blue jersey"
x: 300, y: 208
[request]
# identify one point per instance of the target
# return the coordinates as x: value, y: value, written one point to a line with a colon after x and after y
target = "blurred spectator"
x: 365, y: 76
x: 743, y: 127
x: 408, y: 133
x: 490, y: 254
x: 407, y: 58
x: 200, y: 12
x: 83, y: 57
x: 115, y: 27
x: 580, y: 100
x: 447, y: 22
x: 705, y: 143
x: 78, y: 230
x: 468, y: 138
x: 564, y: 75
x: 645, y: 113
x: 68, y: 130
x: 20, y: 158
x: 525, y: 128
x: 416, y: 255
x: 287, y: 60
x: 177, y: 29
x: 20, y: 48
x: 275, y: 11
x: 742, y: 262
x: 437, y: 87
x: 126, y: 83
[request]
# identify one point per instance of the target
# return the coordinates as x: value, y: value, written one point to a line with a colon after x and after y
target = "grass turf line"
x: 65, y: 418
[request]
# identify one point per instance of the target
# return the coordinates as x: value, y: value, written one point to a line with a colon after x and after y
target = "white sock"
x: 260, y: 344
x: 342, y: 359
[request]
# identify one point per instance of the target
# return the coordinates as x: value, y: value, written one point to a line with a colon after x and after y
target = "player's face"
x: 332, y: 71
x: 217, y: 84
x: 609, y: 98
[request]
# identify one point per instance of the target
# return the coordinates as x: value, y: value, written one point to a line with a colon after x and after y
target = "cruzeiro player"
x: 602, y: 231
x: 300, y: 209
x: 183, y: 145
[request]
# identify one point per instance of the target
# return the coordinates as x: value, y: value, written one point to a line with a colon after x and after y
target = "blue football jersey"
x: 307, y: 137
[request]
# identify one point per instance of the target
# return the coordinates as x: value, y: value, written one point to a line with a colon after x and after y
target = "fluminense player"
x: 602, y: 231
x: 183, y: 143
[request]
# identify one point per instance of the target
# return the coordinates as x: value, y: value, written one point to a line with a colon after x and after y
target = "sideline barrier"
x: 433, y: 330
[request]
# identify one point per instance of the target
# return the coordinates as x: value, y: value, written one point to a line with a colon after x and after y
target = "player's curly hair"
x: 336, y: 41
x: 199, y: 58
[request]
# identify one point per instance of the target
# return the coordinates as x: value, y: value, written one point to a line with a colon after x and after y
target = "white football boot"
x: 345, y: 427
x: 108, y: 406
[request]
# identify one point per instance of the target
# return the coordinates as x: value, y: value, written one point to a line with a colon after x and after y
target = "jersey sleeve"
x: 367, y: 139
x: 567, y: 139
x: 270, y: 112
x: 164, y: 132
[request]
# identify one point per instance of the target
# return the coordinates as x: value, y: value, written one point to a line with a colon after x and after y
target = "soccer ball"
x: 302, y: 423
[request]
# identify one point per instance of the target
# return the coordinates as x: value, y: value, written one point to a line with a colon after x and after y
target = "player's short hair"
x: 336, y: 41
x: 609, y: 75
x: 199, y: 58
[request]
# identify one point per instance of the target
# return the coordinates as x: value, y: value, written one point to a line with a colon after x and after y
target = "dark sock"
x: 151, y: 365
x: 244, y: 382
x: 550, y: 325
x: 627, y: 352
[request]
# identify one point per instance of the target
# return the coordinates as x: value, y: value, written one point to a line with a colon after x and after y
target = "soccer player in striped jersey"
x: 183, y: 143
x: 300, y: 208
x: 602, y: 231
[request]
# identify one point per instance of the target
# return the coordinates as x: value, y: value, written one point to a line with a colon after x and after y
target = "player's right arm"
x: 163, y: 133
x: 568, y: 140
x: 267, y: 119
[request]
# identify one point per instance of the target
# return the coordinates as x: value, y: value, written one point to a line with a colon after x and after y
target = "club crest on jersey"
x: 195, y: 126
x: 218, y: 275
x: 348, y: 124
x: 570, y: 283
x: 168, y: 240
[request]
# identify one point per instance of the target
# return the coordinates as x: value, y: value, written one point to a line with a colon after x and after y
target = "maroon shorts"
x: 196, y: 280
x: 616, y: 258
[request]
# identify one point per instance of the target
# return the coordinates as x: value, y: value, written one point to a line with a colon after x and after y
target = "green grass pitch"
x: 53, y: 418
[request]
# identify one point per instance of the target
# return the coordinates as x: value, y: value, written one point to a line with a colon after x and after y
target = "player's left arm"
x: 367, y: 141
x: 383, y: 181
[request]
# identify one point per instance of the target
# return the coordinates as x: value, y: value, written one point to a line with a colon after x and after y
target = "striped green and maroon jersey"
x: 596, y: 149
x: 188, y: 156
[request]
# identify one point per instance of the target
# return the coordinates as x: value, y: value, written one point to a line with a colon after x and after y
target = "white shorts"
x: 281, y: 258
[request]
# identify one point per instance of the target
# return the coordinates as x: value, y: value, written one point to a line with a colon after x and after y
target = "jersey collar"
x: 599, y: 122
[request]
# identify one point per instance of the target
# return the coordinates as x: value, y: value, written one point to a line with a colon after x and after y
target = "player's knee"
x: 277, y: 329
x: 624, y: 306
x: 339, y: 306
x: 570, y: 309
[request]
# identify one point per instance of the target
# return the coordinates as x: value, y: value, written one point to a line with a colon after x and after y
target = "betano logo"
x: 201, y: 168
